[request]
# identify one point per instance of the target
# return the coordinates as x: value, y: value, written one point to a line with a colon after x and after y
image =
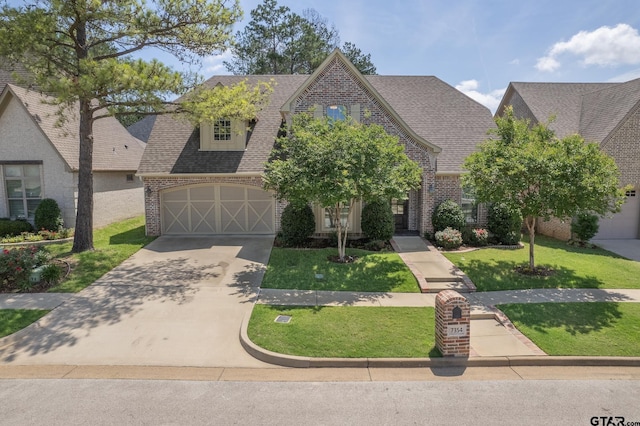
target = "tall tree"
x: 279, y: 41
x: 80, y: 51
x: 529, y: 169
x: 334, y: 163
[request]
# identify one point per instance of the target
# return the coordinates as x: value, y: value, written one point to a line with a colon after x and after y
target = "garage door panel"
x: 622, y: 225
x: 218, y: 209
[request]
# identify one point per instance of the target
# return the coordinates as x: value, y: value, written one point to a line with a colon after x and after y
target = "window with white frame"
x: 23, y: 185
x: 337, y: 112
x: 329, y: 217
x: 469, y: 206
x: 222, y: 130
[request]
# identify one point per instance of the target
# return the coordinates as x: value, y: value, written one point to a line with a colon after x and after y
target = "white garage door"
x: 217, y: 209
x: 623, y: 225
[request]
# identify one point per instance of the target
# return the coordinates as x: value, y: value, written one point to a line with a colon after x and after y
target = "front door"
x: 400, y: 209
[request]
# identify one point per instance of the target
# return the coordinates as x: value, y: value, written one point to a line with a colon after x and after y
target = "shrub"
x: 448, y: 215
x: 377, y: 220
x: 449, y: 238
x: 476, y: 237
x: 12, y: 228
x: 297, y: 224
x: 15, y: 267
x: 48, y: 215
x: 51, y: 273
x: 504, y: 224
x: 585, y: 226
x: 375, y: 245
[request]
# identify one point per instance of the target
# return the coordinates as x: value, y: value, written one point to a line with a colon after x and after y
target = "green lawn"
x: 113, y: 244
x: 12, y: 320
x: 493, y: 269
x: 586, y: 329
x: 373, y: 271
x: 346, y: 332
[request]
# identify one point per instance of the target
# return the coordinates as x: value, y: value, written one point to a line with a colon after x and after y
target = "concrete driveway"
x: 179, y: 301
x: 626, y: 248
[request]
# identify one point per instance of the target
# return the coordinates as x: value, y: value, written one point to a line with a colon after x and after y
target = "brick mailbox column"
x: 453, y: 316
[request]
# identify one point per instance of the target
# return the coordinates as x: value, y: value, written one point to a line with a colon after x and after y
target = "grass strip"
x: 372, y: 271
x: 580, y: 329
x: 346, y: 331
x: 113, y: 244
x: 575, y: 267
x: 12, y: 320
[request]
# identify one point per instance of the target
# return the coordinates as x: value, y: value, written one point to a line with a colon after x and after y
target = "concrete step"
x: 438, y: 286
x: 440, y: 279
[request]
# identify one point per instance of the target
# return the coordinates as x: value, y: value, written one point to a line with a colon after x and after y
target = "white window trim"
x: 25, y: 199
x: 237, y: 142
x: 354, y: 221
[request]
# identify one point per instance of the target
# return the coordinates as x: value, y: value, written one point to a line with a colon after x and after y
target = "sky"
x: 479, y: 46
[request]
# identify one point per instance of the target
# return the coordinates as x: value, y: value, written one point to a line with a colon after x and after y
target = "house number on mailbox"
x: 456, y: 330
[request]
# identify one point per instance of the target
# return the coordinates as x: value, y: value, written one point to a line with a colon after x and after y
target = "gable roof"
x: 593, y: 110
x: 430, y: 111
x: 114, y: 148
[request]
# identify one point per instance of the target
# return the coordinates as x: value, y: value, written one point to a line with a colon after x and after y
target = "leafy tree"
x: 79, y: 51
x: 278, y: 41
x: 334, y: 163
x: 528, y: 169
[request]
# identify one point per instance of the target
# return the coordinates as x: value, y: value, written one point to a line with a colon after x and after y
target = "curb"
x: 505, y: 361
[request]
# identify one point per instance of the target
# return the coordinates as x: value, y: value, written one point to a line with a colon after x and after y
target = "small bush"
x: 448, y: 215
x: 375, y: 245
x: 449, y: 238
x: 297, y: 224
x: 377, y: 220
x: 476, y: 237
x: 585, y: 226
x: 48, y: 215
x: 15, y: 267
x: 504, y: 224
x: 52, y: 273
x: 12, y: 228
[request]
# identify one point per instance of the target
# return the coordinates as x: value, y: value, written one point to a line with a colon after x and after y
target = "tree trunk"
x: 83, y: 238
x: 531, y: 226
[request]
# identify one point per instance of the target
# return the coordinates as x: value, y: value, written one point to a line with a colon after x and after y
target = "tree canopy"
x: 334, y: 163
x: 80, y: 52
x: 279, y: 41
x: 529, y: 169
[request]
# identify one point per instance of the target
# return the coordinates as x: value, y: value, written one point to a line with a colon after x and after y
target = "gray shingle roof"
x: 591, y: 109
x: 436, y: 111
x: 142, y: 129
x: 114, y: 148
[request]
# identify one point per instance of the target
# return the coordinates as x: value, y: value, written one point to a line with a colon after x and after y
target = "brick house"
x: 208, y: 179
x: 606, y: 113
x: 39, y: 159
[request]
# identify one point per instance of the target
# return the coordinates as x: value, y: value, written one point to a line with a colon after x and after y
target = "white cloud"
x: 213, y: 65
x: 491, y: 100
x: 604, y: 46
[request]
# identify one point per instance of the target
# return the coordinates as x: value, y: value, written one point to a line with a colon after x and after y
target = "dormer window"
x: 224, y: 134
x: 222, y: 130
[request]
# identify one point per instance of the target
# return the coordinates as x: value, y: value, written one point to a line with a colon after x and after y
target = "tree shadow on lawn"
x: 552, y: 243
x: 132, y: 236
x: 501, y: 275
x: 574, y: 318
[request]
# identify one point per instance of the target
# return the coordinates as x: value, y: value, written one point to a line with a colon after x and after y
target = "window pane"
x: 32, y: 170
x: 337, y: 112
x: 13, y: 171
x: 328, y: 218
x: 222, y: 130
x: 32, y: 187
x: 14, y: 189
x: 31, y: 207
x: 16, y: 209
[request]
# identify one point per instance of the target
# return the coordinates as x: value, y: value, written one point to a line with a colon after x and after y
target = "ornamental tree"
x: 79, y: 52
x: 335, y: 163
x: 529, y: 169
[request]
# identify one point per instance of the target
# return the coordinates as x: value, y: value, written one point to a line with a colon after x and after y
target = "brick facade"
x: 337, y: 86
x: 623, y: 147
x: 453, y: 332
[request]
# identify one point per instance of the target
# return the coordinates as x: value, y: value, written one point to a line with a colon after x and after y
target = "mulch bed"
x: 42, y: 286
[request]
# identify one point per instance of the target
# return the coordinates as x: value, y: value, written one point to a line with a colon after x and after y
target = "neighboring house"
x: 208, y: 180
x: 606, y: 113
x: 39, y: 159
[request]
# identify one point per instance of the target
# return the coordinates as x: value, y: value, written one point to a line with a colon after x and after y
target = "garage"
x: 622, y: 225
x: 217, y: 209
